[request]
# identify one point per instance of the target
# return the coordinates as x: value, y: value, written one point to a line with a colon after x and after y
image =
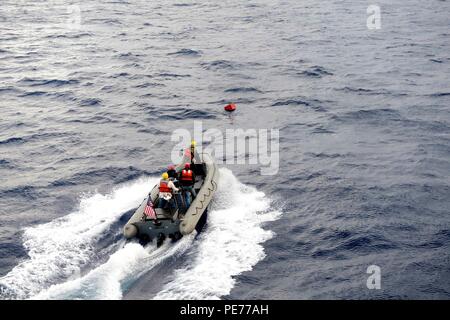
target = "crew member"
x: 187, y: 181
x: 172, y: 172
x: 192, y: 154
x: 166, y: 190
x: 173, y: 176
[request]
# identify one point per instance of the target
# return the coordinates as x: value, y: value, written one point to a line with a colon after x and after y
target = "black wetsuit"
x: 172, y: 174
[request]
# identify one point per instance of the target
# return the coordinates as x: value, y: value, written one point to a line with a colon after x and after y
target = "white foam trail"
x: 123, y: 268
x: 59, y: 248
x: 231, y: 245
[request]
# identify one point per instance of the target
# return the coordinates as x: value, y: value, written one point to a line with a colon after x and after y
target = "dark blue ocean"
x: 91, y: 91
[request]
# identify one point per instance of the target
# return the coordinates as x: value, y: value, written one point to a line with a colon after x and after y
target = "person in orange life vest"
x: 166, y: 189
x: 173, y: 176
x: 187, y: 181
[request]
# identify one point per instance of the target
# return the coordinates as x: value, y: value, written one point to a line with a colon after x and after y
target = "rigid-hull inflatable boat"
x: 175, y: 222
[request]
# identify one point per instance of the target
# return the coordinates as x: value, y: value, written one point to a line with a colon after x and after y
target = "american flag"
x: 149, y: 210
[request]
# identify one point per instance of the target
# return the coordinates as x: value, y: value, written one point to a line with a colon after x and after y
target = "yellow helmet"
x: 165, y: 176
x: 193, y: 143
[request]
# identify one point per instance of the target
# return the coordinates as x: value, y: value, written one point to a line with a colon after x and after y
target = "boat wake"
x: 231, y: 244
x: 111, y: 279
x: 59, y: 251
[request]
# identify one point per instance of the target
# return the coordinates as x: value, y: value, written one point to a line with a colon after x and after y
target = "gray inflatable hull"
x: 137, y: 225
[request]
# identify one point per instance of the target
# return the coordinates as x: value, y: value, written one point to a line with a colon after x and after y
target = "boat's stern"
x: 147, y: 231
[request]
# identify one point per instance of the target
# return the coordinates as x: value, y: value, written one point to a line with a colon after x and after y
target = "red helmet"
x: 187, y: 166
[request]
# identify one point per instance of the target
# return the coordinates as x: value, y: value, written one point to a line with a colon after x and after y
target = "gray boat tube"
x: 197, y: 207
x: 204, y: 196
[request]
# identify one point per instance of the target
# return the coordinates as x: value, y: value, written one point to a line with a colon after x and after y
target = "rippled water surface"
x: 364, y: 120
